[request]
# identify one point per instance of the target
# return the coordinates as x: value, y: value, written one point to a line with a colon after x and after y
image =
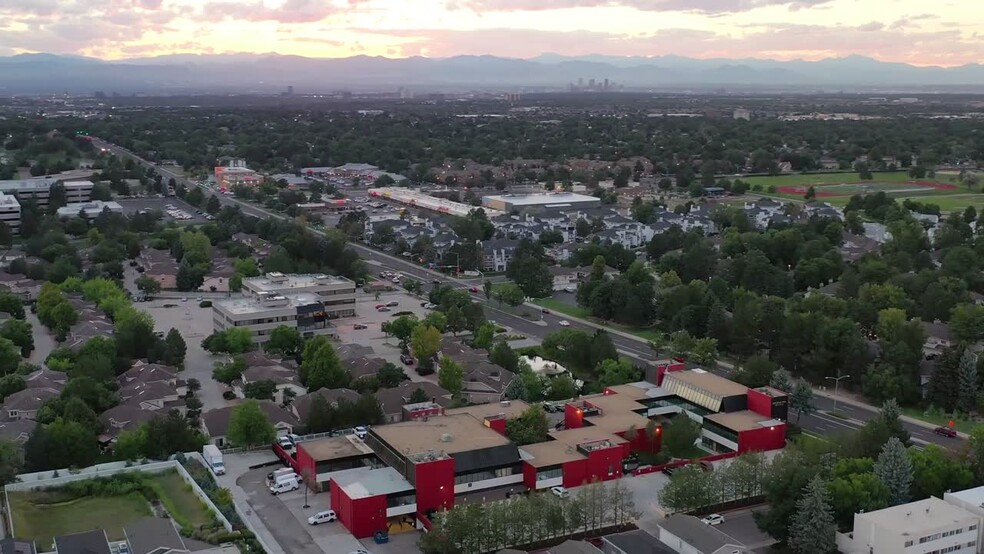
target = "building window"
x: 908, y: 543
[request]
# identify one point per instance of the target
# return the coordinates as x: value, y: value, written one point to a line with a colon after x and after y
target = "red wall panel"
x: 575, y: 473
x: 498, y: 425
x: 766, y: 438
x: 529, y: 476
x: 605, y: 463
x: 573, y: 417
x: 435, y: 484
x: 361, y: 516
x: 760, y: 403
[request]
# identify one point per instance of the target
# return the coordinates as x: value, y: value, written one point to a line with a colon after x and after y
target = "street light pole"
x: 836, y: 381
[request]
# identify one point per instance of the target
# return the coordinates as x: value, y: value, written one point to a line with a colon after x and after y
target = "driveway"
x: 44, y: 343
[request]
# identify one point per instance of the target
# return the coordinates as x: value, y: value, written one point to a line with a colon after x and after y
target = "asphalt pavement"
x: 819, y: 423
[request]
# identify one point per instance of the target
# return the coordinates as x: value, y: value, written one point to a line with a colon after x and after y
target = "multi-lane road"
x: 820, y: 423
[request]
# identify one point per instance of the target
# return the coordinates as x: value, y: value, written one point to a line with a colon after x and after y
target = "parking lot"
x: 134, y: 205
x: 290, y: 528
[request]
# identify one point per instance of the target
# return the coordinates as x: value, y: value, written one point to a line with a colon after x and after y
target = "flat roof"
x: 973, y: 497
x: 618, y: 422
x: 581, y: 435
x: 372, y: 482
x: 744, y: 420
x: 335, y: 448
x: 280, y: 281
x: 240, y: 306
x: 550, y: 453
x: 538, y: 199
x: 481, y: 411
x: 464, y: 433
x: 707, y: 381
x: 919, y: 517
x: 614, y: 402
x: 636, y: 391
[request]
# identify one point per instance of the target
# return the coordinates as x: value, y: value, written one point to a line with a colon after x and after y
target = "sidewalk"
x: 253, y: 522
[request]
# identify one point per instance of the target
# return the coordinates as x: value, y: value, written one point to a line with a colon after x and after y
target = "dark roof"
x: 48, y: 374
x: 352, y: 350
x: 937, y: 330
x: 573, y: 547
x: 302, y: 404
x: 392, y: 400
x: 363, y: 366
x: 14, y: 546
x: 153, y: 535
x: 280, y: 375
x: 700, y: 536
x: 258, y: 359
x: 148, y: 373
x: 89, y: 542
x: 637, y: 542
x: 29, y: 399
x: 18, y: 431
x: 217, y: 421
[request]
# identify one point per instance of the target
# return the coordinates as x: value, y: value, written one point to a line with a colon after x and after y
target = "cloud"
x: 291, y: 11
x: 700, y: 6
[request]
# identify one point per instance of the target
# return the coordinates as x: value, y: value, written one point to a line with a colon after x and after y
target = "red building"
x: 315, y: 459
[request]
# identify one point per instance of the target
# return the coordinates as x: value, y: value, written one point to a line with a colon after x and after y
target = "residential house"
x: 301, y: 406
x: 217, y: 279
x: 686, y: 534
x: 155, y: 395
x: 363, y: 366
x: 87, y: 542
x: 46, y: 379
x: 26, y: 403
x: 144, y: 372
x: 564, y: 277
x: 121, y: 418
x: 585, y: 271
x: 394, y: 399
x: 497, y: 254
x: 856, y: 247
x: 260, y: 247
x: 283, y: 378
x: 154, y: 535
x: 159, y: 266
x: 484, y: 382
x: 633, y: 542
x: 573, y: 547
x: 938, y: 336
x: 877, y: 232
x: 18, y: 431
x: 257, y: 358
x: 27, y: 289
x: 349, y: 351
x: 215, y: 423
x: 10, y: 545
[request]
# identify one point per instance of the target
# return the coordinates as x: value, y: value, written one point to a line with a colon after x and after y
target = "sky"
x: 920, y: 32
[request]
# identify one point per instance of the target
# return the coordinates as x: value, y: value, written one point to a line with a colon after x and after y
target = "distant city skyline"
x: 945, y: 33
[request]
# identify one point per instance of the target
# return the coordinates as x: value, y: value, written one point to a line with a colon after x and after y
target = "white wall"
x: 488, y: 483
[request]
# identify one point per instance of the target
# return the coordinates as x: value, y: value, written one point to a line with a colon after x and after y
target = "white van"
x: 276, y: 476
x: 284, y: 486
x: 287, y: 477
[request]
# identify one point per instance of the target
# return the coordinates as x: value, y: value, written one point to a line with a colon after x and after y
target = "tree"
x: 562, y: 388
x: 485, y: 335
x: 285, y: 341
x: 802, y: 399
x: 148, y: 284
x: 134, y: 332
x: 12, y: 305
x: 510, y: 293
x: 967, y: 399
x: 402, y: 327
x: 782, y: 380
x: 60, y: 444
x: 450, y: 376
x: 936, y: 470
x: 260, y: 390
x: 321, y: 367
x: 812, y: 528
x: 856, y: 492
x: 530, y: 427
x: 229, y: 372
x: 235, y: 340
x: 159, y: 438
x: 20, y: 333
x: 9, y: 384
x: 616, y: 372
x: 967, y: 322
x: 11, y: 461
x: 213, y: 205
x: 690, y: 489
x: 487, y: 288
x: 418, y: 395
x: 248, y: 426
x: 890, y: 416
x: 679, y: 436
x: 894, y: 469
x: 425, y: 342
x: 755, y: 372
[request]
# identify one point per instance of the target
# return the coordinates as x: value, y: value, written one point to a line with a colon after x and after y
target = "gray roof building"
x: 634, y: 542
x: 88, y: 542
x: 153, y: 535
x: 687, y: 534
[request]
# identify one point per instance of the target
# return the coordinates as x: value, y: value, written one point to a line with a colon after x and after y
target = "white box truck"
x: 213, y: 457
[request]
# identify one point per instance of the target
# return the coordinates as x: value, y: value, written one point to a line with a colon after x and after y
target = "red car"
x: 473, y: 289
x: 946, y: 432
x: 380, y: 306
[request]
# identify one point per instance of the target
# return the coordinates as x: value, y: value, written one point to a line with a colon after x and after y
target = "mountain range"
x: 271, y: 73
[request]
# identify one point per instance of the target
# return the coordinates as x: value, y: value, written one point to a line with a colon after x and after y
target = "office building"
x: 336, y: 294
x: 39, y: 189
x: 262, y: 314
x: 10, y: 212
x: 925, y: 526
x: 89, y: 209
x: 236, y: 173
x: 538, y: 203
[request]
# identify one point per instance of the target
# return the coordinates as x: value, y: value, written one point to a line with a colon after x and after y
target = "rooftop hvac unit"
x: 446, y: 437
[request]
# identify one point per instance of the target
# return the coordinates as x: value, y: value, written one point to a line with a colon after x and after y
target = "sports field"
x: 838, y: 188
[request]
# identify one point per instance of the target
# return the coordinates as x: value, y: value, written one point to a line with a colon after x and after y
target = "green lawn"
x: 963, y: 425
x: 563, y: 308
x: 823, y: 178
x: 184, y: 505
x: 40, y: 516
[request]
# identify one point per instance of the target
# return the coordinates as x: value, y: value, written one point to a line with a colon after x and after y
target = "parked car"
x: 570, y: 289
x: 360, y: 326
x: 473, y: 289
x: 361, y: 431
x: 946, y: 432
x: 205, y: 304
x: 393, y: 304
x: 383, y: 309
x: 228, y: 395
x: 285, y: 443
x: 430, y: 306
x: 560, y: 492
x: 564, y: 323
x: 436, y: 281
x: 406, y: 359
x: 380, y: 306
x: 326, y: 516
x: 713, y: 519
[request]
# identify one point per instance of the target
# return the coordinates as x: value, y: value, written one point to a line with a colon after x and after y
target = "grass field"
x: 563, y: 308
x: 822, y: 178
x: 962, y: 425
x: 40, y: 516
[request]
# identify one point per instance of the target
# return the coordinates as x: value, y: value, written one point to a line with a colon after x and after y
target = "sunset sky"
x: 935, y: 32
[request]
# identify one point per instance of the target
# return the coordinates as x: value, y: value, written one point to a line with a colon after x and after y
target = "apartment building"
x: 336, y: 294
x: 930, y: 526
x: 267, y: 311
x: 10, y: 212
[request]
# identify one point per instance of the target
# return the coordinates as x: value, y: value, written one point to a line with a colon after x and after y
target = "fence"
x: 48, y: 479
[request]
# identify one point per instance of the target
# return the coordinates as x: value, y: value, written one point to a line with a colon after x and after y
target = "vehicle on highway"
x: 326, y: 516
x: 564, y: 323
x: 406, y: 359
x: 435, y: 281
x: 945, y: 432
x: 544, y: 310
x: 358, y: 326
x: 713, y: 519
x: 560, y: 492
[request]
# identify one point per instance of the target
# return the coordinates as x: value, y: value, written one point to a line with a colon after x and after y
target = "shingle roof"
x: 216, y: 421
x: 702, y: 537
x: 89, y: 542
x: 153, y: 535
x: 29, y: 399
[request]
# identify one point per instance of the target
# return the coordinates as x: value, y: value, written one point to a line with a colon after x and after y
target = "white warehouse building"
x: 418, y: 199
x: 921, y: 527
x: 539, y: 202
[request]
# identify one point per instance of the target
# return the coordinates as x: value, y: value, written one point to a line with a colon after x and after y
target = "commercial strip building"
x: 539, y: 202
x: 236, y: 173
x: 306, y: 302
x: 420, y: 464
x: 417, y: 199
